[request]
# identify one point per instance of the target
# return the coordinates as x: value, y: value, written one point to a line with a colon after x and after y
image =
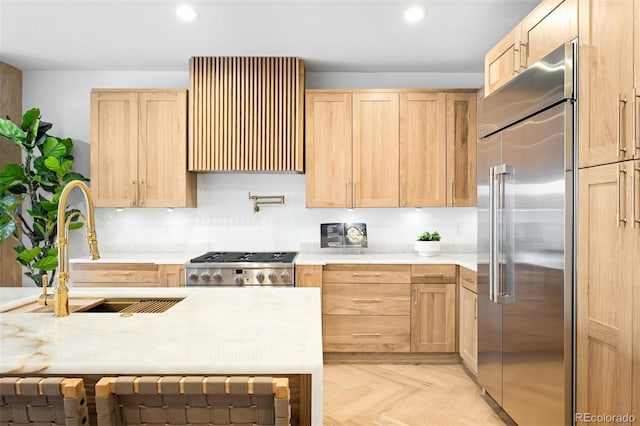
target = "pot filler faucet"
x: 61, y: 297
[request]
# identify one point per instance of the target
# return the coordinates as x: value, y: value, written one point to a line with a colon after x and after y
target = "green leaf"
x: 8, y: 202
x: 19, y: 249
x: 39, y: 229
x: 17, y: 189
x: 43, y: 128
x: 53, y: 148
x: 52, y: 163
x: 29, y: 254
x: 74, y: 176
x: 12, y: 174
x: 76, y: 225
x: 30, y: 118
x: 13, y: 132
x: 7, y: 229
x: 52, y: 252
x: 47, y: 263
x: 68, y: 145
x: 65, y: 166
x: 48, y: 206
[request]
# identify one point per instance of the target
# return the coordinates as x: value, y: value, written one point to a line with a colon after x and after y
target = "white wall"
x: 224, y: 219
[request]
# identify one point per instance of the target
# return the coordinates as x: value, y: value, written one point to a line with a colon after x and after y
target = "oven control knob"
x: 193, y: 276
x: 273, y: 277
x: 238, y: 279
x: 285, y: 277
x: 217, y: 276
x: 260, y: 277
x: 205, y: 276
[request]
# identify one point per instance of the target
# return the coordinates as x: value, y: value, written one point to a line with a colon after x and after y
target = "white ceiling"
x: 342, y: 35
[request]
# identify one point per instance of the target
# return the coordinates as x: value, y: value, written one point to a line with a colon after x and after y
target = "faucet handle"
x: 42, y: 300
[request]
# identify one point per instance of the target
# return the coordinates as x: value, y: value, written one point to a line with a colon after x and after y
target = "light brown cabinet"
x: 608, y: 242
x: 101, y: 274
x: 608, y: 113
x: 550, y: 24
x: 366, y: 308
x: 308, y: 276
x: 399, y: 149
x: 352, y: 149
x: 433, y: 308
x: 139, y: 149
x: 468, y: 334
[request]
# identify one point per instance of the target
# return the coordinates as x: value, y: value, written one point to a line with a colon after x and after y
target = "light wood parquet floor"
x: 403, y: 395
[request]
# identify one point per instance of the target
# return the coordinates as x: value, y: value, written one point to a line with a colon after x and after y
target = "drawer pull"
x: 366, y: 334
x: 116, y: 273
x: 360, y: 275
x: 469, y: 280
x: 433, y: 275
x: 355, y: 300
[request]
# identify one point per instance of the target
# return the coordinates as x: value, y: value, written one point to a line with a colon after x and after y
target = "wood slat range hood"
x: 246, y: 114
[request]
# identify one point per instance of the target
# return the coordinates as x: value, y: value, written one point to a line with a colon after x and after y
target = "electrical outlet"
x: 458, y: 230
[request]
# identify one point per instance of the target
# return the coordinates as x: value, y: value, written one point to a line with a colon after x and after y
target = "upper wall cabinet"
x: 139, y: 149
x: 246, y: 114
x: 390, y: 149
x: 608, y: 121
x: 550, y: 24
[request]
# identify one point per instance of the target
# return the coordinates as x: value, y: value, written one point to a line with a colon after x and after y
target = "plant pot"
x: 427, y: 248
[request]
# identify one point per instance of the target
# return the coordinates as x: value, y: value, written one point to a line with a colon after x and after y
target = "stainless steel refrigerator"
x: 526, y: 228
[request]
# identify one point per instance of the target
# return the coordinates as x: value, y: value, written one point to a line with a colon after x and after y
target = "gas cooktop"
x: 245, y: 257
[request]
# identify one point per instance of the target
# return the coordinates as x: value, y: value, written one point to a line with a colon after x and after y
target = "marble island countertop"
x: 211, y: 331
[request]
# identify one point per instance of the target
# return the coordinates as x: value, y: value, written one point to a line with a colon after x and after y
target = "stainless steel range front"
x: 265, y: 269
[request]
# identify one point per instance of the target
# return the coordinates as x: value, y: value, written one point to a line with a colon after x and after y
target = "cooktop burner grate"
x: 238, y: 256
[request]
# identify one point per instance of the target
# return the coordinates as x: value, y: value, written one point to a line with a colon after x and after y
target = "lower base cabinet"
x: 101, y: 274
x: 468, y: 338
x: 433, y: 318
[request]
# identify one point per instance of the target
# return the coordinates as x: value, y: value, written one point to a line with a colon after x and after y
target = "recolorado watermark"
x: 605, y: 418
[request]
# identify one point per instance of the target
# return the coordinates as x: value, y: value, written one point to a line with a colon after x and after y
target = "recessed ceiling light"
x: 186, y: 13
x: 414, y: 14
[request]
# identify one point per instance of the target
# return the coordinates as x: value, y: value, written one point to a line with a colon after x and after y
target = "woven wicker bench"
x: 192, y: 400
x: 42, y: 401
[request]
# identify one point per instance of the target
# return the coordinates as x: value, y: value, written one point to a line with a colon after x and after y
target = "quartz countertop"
x: 163, y: 258
x: 467, y: 260
x: 212, y: 331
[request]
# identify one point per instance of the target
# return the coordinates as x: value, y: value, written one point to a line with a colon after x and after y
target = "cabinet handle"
x: 364, y: 274
x: 143, y: 192
x: 355, y: 196
x: 116, y: 273
x: 366, y: 334
x: 135, y: 193
x: 621, y: 171
x: 356, y: 300
x: 415, y: 295
x: 469, y: 280
x: 524, y: 49
x: 516, y: 59
x: 634, y: 196
x: 451, y: 192
x: 347, y: 193
x: 403, y: 193
x: 476, y: 313
x: 619, y: 135
x: 433, y: 275
x: 636, y: 145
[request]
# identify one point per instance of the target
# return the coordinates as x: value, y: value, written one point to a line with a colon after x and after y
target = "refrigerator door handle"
x: 504, y: 290
x: 493, y: 258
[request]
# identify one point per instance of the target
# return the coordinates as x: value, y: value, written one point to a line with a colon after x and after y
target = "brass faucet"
x: 61, y: 298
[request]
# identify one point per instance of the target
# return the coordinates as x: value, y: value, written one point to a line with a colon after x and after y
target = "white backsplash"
x: 224, y: 220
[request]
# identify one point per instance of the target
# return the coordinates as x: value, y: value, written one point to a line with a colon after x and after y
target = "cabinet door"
x: 308, y: 276
x: 606, y: 80
x: 376, y: 150
x: 502, y: 62
x: 423, y: 150
x: 171, y: 275
x: 604, y: 298
x: 548, y: 26
x: 461, y: 149
x: 328, y: 150
x: 162, y: 150
x: 634, y: 250
x: 469, y: 328
x: 636, y: 83
x: 114, y: 148
x: 433, y: 318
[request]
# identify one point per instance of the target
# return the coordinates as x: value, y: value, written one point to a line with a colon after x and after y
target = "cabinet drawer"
x: 366, y: 299
x: 365, y: 333
x: 115, y: 273
x: 367, y: 274
x: 468, y: 279
x: 433, y: 274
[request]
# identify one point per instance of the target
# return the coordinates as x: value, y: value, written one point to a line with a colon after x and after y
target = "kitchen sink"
x: 122, y: 305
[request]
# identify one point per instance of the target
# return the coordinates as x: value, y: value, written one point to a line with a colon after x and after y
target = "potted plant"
x: 428, y: 244
x: 29, y: 193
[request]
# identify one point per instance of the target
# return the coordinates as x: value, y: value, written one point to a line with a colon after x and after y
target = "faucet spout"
x: 62, y: 292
